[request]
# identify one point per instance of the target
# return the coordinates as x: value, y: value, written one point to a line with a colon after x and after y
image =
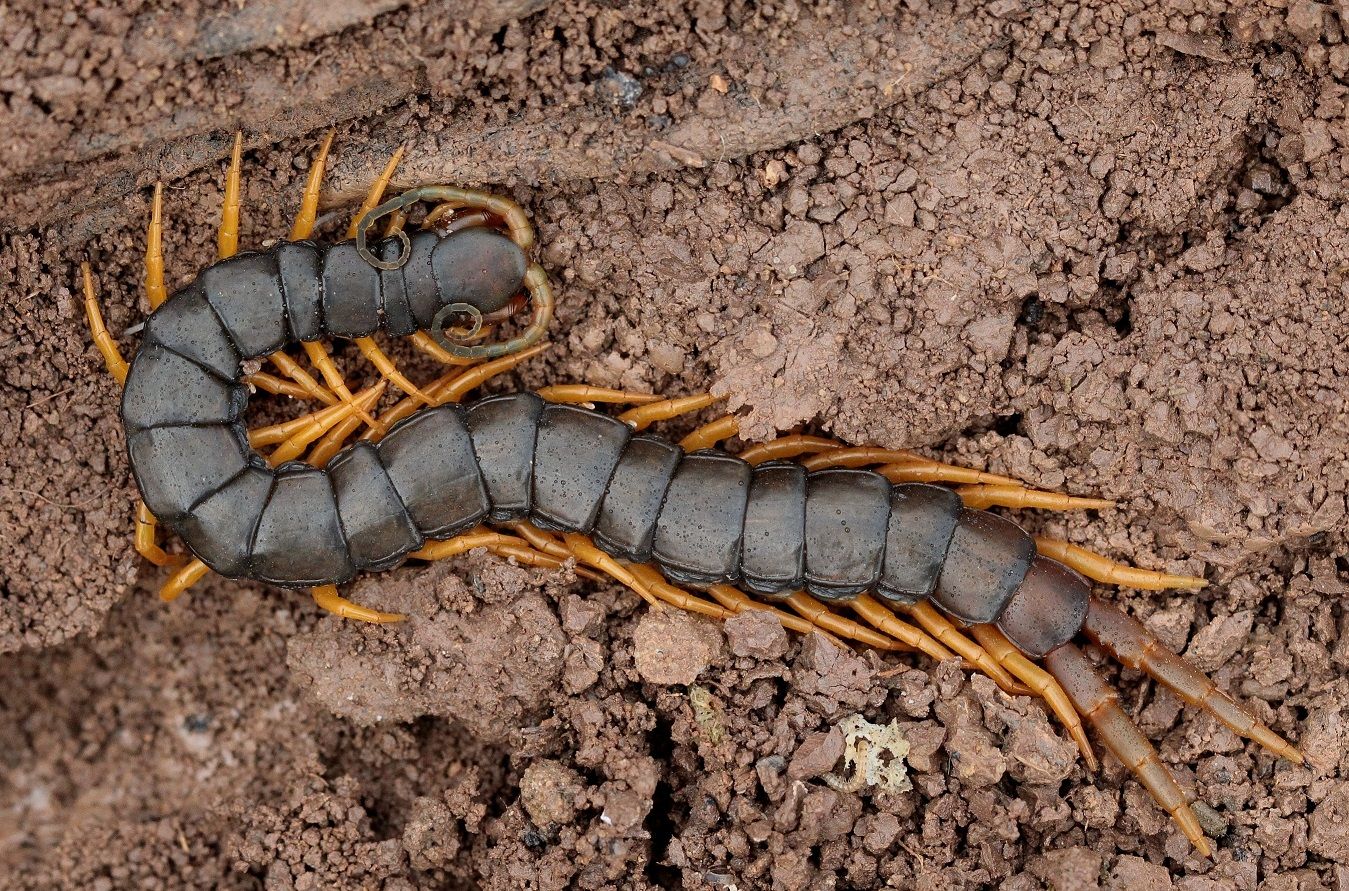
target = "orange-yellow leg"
x: 107, y: 347
x: 320, y: 420
x: 816, y: 613
x: 856, y: 456
x: 388, y: 370
x: 459, y: 386
x: 787, y: 447
x: 311, y: 428
x: 227, y: 241
x: 376, y: 192
x: 182, y: 578
x: 585, y: 552
x: 146, y: 546
x: 154, y: 251
x: 925, y: 471
x: 227, y: 245
x: 550, y: 544
x: 496, y: 542
x: 117, y: 367
x: 308, y: 387
x: 1041, y: 682
x: 1094, y: 700
x: 711, y: 433
x: 1127, y: 640
x: 580, y: 394
x: 309, y: 203
x: 1107, y: 571
x: 940, y: 627
x: 277, y: 386
x: 302, y: 228
x: 676, y: 596
x: 326, y: 597
x: 318, y: 354
x: 1017, y: 496
x: 427, y: 344
x: 868, y: 455
x: 644, y: 416
x: 880, y: 617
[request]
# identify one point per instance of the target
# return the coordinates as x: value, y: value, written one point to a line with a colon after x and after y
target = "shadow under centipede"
x: 661, y: 820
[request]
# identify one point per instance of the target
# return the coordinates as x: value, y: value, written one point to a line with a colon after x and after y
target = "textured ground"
x: 1099, y: 246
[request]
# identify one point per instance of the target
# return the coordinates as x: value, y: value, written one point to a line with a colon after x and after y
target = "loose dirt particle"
x: 674, y: 647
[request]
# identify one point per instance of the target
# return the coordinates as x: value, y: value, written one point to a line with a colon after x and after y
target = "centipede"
x: 872, y: 547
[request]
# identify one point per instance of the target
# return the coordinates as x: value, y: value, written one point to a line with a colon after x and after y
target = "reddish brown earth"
x: 1102, y: 247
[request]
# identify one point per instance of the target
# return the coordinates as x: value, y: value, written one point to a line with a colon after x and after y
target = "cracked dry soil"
x: 1099, y: 246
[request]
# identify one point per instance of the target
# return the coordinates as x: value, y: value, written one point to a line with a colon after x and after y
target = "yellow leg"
x: 816, y: 613
x: 376, y: 191
x: 1017, y: 496
x: 884, y: 620
x: 303, y: 379
x: 182, y: 578
x: 708, y: 435
x: 227, y: 242
x: 585, y: 552
x: 326, y: 597
x: 941, y: 628
x: 646, y: 415
x: 309, y: 204
x: 146, y: 545
x: 427, y: 344
x: 1108, y: 572
x: 924, y: 471
x: 107, y: 347
x: 270, y: 383
x: 1041, y: 682
x: 154, y: 252
x: 321, y: 419
x: 458, y: 387
x: 787, y: 447
x: 675, y: 596
x: 1099, y: 704
x: 577, y: 394
x: 293, y: 447
x: 859, y: 456
x: 496, y: 542
x: 550, y: 544
x: 390, y: 372
x: 318, y: 354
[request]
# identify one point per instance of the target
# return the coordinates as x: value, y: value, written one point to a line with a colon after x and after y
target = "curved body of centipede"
x: 430, y: 475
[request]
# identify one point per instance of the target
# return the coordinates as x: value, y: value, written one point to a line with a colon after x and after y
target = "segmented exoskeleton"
x: 570, y: 481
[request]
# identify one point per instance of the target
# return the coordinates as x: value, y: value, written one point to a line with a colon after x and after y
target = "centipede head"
x: 476, y: 246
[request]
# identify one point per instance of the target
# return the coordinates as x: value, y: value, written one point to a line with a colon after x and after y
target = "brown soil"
x: 1102, y: 248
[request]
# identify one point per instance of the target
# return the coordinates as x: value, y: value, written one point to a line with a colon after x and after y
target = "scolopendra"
x: 797, y: 526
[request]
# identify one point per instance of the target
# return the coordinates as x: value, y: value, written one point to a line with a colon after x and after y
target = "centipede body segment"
x: 566, y: 481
